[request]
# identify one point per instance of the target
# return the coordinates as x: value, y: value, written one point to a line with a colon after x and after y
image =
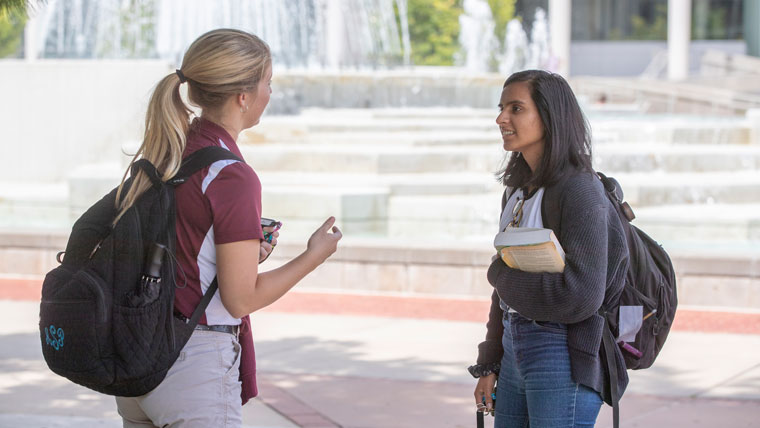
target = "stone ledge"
x: 691, y: 262
x: 31, y: 238
x: 426, y: 268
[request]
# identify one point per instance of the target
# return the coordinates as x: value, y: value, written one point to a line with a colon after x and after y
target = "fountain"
x: 476, y: 36
x: 515, y: 53
x: 539, y: 42
x: 521, y: 53
x: 480, y: 50
x: 322, y: 34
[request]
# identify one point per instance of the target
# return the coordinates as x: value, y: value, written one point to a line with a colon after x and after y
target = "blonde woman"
x: 227, y: 73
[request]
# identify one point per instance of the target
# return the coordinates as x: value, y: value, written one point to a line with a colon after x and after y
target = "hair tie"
x: 182, y: 78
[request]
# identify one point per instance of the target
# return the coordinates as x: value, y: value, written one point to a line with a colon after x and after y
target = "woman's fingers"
x: 483, y: 393
x: 337, y: 234
x: 265, y: 249
x: 327, y: 224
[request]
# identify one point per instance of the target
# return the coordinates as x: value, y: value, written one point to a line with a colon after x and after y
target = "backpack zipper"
x: 101, y: 297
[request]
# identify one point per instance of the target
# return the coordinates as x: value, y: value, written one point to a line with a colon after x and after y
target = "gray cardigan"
x: 589, y: 230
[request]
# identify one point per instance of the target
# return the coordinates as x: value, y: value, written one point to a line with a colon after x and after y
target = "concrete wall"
x: 631, y: 58
x: 430, y: 269
x: 57, y: 114
x: 415, y: 87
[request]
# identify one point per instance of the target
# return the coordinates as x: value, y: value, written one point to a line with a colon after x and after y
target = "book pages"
x: 534, y: 258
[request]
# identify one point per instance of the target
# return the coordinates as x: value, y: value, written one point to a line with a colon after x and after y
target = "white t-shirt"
x: 531, y: 210
x: 531, y: 217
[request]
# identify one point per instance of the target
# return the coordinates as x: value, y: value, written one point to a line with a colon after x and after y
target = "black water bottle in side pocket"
x: 150, y: 281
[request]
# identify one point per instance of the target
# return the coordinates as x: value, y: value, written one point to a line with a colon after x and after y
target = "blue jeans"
x: 535, y: 387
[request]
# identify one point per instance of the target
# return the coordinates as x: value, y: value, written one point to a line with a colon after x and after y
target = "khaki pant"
x: 201, y: 389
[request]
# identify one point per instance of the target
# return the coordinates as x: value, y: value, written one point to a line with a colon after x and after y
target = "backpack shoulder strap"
x: 149, y: 169
x: 203, y: 304
x: 192, y: 164
x: 199, y: 160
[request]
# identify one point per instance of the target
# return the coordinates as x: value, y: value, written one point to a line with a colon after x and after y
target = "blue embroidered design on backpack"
x: 57, y: 337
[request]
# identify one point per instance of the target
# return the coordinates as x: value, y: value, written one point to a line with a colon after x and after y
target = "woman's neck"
x: 225, y: 122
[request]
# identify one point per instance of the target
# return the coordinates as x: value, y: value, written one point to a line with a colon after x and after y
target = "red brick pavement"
x: 291, y: 407
x: 449, y: 309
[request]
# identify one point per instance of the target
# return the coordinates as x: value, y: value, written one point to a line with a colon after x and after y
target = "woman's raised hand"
x: 324, y: 241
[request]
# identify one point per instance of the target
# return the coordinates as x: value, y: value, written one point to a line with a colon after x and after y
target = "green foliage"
x: 714, y: 27
x: 434, y: 30
x: 503, y: 11
x: 716, y: 24
x: 12, y: 8
x: 137, y: 28
x: 11, y: 31
x: 657, y: 30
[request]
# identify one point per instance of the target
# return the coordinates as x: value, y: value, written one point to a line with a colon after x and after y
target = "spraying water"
x: 476, y: 35
x: 301, y: 33
x: 480, y: 50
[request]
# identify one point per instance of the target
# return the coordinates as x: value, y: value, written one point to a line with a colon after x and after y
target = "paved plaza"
x: 321, y: 364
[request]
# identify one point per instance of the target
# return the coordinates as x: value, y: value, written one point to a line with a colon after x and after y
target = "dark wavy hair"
x: 567, y: 136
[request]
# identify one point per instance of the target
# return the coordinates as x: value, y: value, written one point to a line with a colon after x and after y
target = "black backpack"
x: 104, y: 323
x: 651, y: 284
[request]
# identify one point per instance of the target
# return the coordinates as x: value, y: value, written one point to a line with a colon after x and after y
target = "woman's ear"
x: 243, y: 99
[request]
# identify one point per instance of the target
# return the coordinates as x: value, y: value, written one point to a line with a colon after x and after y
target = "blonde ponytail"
x: 219, y: 64
x: 166, y: 124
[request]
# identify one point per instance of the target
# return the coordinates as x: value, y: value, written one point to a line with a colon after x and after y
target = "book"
x: 530, y: 249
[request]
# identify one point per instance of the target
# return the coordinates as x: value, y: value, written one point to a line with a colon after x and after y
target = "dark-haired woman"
x: 544, y: 332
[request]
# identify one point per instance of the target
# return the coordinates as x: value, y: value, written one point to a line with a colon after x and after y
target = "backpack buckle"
x: 628, y: 211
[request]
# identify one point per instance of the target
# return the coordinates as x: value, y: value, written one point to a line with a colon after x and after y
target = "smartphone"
x: 268, y: 222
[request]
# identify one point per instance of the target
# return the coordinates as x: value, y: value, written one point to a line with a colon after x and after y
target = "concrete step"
x: 621, y: 127
x: 440, y: 183
x: 681, y: 158
x: 39, y: 205
x: 418, y: 205
x: 400, y: 158
x: 366, y: 120
x: 384, y: 159
x: 459, y: 217
x: 444, y: 113
x: 659, y: 188
x: 666, y: 129
x: 720, y: 224
x: 371, y: 139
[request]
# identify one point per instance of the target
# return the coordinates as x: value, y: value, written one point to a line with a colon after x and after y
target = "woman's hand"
x: 484, y: 388
x: 322, y: 243
x: 265, y: 249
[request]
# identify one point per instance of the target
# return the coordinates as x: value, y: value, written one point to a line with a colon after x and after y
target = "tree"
x: 13, y: 16
x: 12, y: 21
x: 434, y: 30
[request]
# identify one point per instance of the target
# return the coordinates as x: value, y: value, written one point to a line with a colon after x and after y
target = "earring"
x: 243, y: 110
